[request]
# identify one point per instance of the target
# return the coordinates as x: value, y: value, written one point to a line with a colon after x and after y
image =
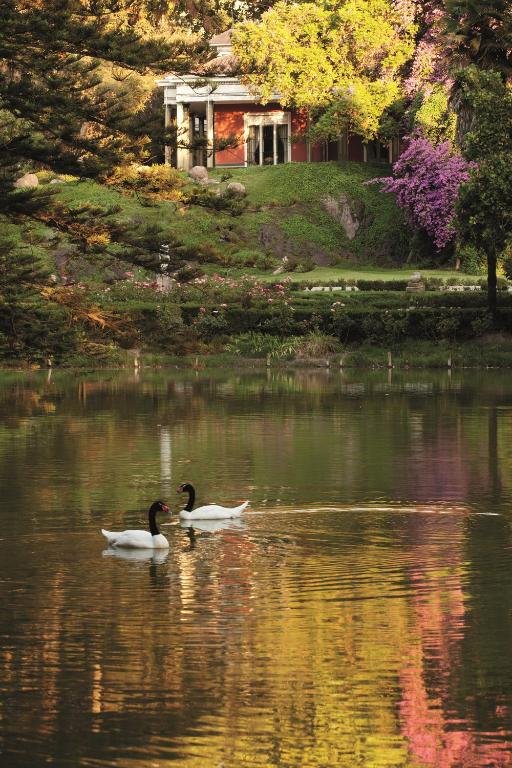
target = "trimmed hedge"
x: 396, y: 300
x: 431, y: 284
x: 350, y: 325
x: 381, y: 319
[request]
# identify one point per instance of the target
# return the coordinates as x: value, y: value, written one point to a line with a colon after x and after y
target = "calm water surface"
x: 359, y: 615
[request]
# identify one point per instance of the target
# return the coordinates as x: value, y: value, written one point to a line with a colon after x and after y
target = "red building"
x: 219, y: 122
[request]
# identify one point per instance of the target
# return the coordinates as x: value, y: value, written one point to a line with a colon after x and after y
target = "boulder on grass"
x: 199, y: 174
x: 347, y: 212
x: 27, y: 181
x: 236, y: 188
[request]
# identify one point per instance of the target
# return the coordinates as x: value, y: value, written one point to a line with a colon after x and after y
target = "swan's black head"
x: 185, y: 488
x: 159, y: 506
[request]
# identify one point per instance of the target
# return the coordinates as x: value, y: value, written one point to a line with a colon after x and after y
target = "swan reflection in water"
x: 213, y: 526
x: 152, y: 556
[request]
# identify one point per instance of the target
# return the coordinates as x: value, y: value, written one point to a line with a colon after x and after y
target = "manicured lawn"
x: 327, y: 274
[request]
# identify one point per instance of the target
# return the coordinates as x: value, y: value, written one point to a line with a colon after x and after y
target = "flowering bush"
x: 426, y: 181
x: 215, y: 290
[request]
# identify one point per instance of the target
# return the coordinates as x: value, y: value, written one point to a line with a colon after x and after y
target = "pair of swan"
x: 153, y: 539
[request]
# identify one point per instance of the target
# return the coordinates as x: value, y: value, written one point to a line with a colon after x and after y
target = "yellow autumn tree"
x: 344, y: 57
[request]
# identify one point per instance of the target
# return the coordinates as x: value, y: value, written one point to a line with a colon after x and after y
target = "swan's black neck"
x: 153, y: 527
x: 191, y: 497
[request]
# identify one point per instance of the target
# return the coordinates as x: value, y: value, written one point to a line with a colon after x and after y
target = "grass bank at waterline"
x: 487, y: 352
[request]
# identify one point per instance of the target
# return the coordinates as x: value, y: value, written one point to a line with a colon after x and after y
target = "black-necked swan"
x: 151, y: 539
x: 209, y: 511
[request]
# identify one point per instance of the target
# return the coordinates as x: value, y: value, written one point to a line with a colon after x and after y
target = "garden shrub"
x: 188, y: 272
x: 228, y: 202
x: 256, y: 344
x: 155, y: 181
x: 316, y: 344
x: 472, y: 261
x: 381, y: 285
x: 351, y: 325
x: 209, y: 324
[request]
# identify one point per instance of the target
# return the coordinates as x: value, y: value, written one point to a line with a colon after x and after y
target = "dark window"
x: 377, y: 152
x: 282, y: 143
x: 268, y: 145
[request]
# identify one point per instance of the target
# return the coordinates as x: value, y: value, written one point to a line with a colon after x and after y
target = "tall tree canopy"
x: 344, y: 56
x: 62, y: 68
x: 480, y: 32
x: 213, y: 16
x: 485, y: 203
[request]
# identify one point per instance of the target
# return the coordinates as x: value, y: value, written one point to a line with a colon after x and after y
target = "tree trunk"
x: 491, y: 285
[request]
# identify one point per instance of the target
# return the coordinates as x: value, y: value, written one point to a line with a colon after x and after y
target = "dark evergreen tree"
x: 56, y: 109
x: 480, y: 34
x: 30, y: 327
x: 480, y: 31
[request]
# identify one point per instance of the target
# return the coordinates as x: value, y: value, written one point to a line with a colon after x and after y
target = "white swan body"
x: 135, y: 539
x: 213, y: 512
x: 151, y: 539
x: 209, y: 511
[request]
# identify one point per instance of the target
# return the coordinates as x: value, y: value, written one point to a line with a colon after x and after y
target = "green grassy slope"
x: 290, y: 198
x: 284, y: 216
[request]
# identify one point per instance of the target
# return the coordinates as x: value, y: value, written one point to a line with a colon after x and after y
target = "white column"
x: 274, y: 139
x: 183, y: 136
x: 261, y: 144
x: 168, y: 123
x: 210, y: 136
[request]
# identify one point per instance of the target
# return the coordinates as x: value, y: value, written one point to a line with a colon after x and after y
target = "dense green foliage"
x: 481, y: 33
x: 344, y: 56
x: 485, y: 202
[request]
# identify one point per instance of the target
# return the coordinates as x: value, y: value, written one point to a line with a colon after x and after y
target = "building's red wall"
x: 355, y: 148
x: 317, y: 153
x: 299, y: 147
x: 229, y: 123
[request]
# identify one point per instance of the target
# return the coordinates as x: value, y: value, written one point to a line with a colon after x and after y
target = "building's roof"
x: 223, y: 38
x: 221, y: 65
x: 225, y: 62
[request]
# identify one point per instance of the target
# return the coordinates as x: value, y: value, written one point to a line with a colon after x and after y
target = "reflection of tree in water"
x: 450, y: 713
x: 294, y: 650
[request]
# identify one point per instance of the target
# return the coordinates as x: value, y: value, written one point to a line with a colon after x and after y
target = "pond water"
x: 360, y: 613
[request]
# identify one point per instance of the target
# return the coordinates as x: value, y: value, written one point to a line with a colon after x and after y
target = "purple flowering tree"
x: 425, y: 182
